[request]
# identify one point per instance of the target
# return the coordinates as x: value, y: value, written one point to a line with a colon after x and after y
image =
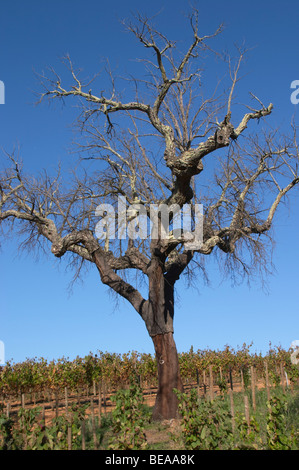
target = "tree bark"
x: 166, y: 406
x: 160, y: 327
x: 157, y: 313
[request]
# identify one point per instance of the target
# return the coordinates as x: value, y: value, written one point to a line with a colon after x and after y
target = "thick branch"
x: 115, y: 282
x: 255, y: 115
x: 177, y: 266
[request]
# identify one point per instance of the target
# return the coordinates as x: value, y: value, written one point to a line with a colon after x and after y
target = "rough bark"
x: 160, y: 327
x: 160, y: 304
x: 166, y: 406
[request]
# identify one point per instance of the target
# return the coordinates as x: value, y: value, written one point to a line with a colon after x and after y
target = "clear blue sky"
x: 38, y: 316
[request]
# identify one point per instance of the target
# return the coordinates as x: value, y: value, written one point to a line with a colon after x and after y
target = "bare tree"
x: 154, y: 149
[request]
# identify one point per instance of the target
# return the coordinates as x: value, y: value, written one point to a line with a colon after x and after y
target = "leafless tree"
x: 154, y: 149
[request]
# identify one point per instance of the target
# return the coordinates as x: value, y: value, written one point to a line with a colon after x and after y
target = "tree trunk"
x: 166, y: 406
x: 159, y: 323
x: 157, y: 312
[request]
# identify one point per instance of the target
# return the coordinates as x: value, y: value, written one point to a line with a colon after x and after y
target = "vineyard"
x: 104, y: 400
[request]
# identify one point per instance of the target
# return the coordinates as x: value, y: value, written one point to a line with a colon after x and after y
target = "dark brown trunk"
x: 160, y: 327
x: 157, y: 313
x: 166, y: 406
